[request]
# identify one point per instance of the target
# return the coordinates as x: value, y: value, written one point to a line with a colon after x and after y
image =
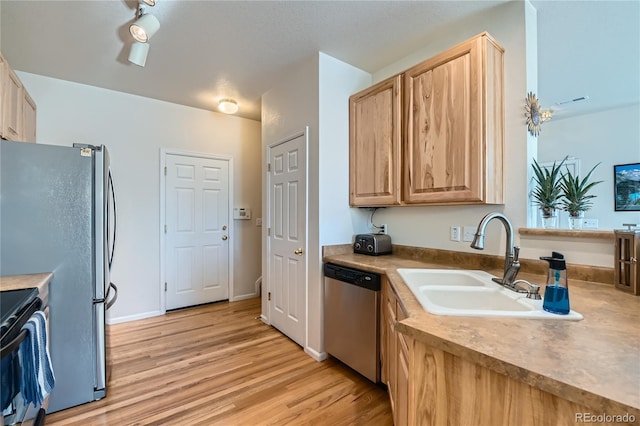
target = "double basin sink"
x: 472, y: 293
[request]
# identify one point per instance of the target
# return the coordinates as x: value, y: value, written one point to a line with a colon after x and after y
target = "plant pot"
x: 549, y: 218
x: 576, y: 220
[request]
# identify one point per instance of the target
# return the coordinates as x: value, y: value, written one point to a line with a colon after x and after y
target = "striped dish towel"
x: 37, y: 378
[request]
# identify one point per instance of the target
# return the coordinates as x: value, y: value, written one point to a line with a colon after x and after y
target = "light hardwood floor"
x: 219, y: 365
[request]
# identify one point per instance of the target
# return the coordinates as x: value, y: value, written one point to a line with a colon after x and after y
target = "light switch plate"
x: 469, y: 233
x: 455, y: 233
x: 590, y: 223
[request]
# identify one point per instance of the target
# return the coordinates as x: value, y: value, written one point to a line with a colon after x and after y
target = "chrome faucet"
x: 511, y: 263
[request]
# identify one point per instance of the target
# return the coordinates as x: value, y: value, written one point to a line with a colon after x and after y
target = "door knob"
x: 298, y: 252
x: 224, y: 238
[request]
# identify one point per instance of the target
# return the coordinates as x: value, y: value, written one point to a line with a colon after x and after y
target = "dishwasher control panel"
x: 369, y: 280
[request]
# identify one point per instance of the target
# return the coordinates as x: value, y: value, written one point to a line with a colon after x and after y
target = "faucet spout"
x: 511, y: 263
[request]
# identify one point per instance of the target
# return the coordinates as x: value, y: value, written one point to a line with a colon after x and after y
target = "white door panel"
x: 287, y: 240
x: 197, y: 220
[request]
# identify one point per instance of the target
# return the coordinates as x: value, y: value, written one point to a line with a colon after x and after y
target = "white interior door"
x: 288, y: 236
x: 196, y: 230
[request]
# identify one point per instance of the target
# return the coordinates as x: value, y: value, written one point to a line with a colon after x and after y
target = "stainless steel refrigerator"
x: 57, y: 214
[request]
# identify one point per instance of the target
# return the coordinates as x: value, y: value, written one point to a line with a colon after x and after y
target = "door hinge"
x: 165, y: 229
x: 268, y: 167
x: 269, y: 296
x: 269, y: 232
x: 165, y: 286
x: 165, y: 170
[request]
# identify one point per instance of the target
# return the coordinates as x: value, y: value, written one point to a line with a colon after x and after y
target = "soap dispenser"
x: 556, y: 294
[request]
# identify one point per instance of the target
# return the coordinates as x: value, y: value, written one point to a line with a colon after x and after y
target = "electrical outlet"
x: 590, y: 223
x: 384, y: 229
x: 258, y: 221
x: 469, y: 233
x: 455, y: 233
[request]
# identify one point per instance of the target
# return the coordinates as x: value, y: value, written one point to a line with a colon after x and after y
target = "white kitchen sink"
x: 472, y: 293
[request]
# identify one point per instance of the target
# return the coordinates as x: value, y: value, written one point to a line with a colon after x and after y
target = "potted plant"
x: 575, y: 198
x: 547, y: 192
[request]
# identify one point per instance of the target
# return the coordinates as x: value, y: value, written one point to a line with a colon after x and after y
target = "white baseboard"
x: 243, y: 297
x: 264, y: 319
x: 144, y: 315
x: 318, y: 356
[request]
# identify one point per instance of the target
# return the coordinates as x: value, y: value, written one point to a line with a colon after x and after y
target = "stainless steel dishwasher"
x: 352, y: 318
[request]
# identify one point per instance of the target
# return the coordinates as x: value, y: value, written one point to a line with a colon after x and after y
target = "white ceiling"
x: 208, y: 50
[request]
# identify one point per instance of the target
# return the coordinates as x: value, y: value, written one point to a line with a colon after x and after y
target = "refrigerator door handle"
x: 110, y: 302
x: 112, y: 235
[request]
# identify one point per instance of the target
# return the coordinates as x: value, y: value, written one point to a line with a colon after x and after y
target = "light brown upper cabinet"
x: 374, y: 144
x: 28, y: 118
x: 452, y: 131
x: 454, y: 139
x: 17, y: 108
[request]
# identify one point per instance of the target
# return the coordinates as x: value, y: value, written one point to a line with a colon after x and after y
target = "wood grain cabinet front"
x: 374, y: 147
x: 454, y: 140
x: 396, y: 357
x: 438, y: 141
x: 17, y: 108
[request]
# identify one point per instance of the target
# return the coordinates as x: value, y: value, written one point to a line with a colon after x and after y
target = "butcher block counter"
x: 589, y: 367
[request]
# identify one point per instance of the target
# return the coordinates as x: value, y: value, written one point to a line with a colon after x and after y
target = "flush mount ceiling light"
x: 150, y: 2
x: 144, y: 27
x: 138, y: 53
x: 228, y: 106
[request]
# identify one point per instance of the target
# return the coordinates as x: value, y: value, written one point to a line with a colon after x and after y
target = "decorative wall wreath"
x: 533, y: 114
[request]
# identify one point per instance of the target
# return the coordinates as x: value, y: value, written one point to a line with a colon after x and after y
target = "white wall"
x: 287, y: 108
x: 315, y: 93
x: 337, y: 221
x: 429, y: 226
x: 134, y: 129
x: 610, y: 137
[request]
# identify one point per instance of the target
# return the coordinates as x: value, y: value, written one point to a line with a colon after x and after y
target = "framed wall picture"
x: 626, y: 189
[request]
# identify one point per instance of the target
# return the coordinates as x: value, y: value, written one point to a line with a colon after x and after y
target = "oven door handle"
x: 13, y: 345
x: 22, y: 319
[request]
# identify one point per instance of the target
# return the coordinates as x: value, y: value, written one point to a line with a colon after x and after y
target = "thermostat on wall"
x: 241, y: 213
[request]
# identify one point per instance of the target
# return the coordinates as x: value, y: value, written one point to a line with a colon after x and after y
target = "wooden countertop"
x: 17, y: 282
x: 594, y: 362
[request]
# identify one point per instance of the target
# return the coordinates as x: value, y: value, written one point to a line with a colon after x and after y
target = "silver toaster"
x: 372, y: 244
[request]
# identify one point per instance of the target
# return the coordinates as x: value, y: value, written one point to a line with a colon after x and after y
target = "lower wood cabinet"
x: 396, y: 356
x: 431, y: 387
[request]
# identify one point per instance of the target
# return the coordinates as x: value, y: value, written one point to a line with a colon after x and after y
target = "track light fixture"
x: 138, y: 53
x: 145, y: 26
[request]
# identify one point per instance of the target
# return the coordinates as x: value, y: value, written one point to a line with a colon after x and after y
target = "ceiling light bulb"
x: 144, y: 28
x: 228, y: 106
x: 138, y: 53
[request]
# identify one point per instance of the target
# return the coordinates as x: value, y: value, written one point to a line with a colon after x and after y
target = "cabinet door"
x: 392, y: 349
x: 28, y: 118
x: 402, y: 374
x: 3, y: 90
x: 454, y: 135
x: 442, y: 141
x: 12, y: 107
x: 374, y: 144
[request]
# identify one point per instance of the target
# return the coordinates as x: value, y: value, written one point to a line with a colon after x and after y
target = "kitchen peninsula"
x: 513, y: 371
